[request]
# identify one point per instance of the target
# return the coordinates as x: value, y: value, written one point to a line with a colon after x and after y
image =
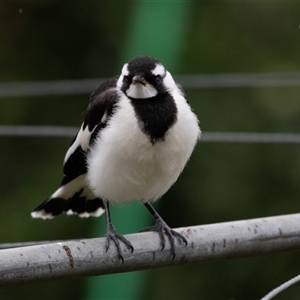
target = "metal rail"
x: 205, y: 243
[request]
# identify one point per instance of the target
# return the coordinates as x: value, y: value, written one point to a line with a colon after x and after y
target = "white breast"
x: 124, y: 165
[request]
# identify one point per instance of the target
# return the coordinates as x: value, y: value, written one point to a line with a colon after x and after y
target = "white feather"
x: 170, y: 83
x: 82, y: 140
x: 159, y: 70
x: 68, y: 190
x: 84, y: 137
x: 41, y: 214
x: 124, y: 165
x: 124, y: 72
x: 139, y: 91
x: 95, y: 213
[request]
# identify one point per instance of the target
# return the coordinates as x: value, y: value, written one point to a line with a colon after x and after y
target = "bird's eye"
x: 126, y: 79
x: 158, y: 79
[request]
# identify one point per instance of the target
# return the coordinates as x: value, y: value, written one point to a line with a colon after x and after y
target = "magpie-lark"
x: 138, y: 134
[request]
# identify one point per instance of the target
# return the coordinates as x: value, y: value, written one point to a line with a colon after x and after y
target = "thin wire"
x: 49, y: 88
x: 82, y: 86
x: 238, y: 80
x: 207, y: 137
x: 281, y: 288
x: 250, y: 137
x: 37, y: 131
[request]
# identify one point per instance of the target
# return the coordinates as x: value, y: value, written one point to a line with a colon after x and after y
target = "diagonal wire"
x: 281, y: 288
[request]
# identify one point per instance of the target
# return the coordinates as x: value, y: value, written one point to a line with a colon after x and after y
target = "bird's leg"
x: 112, y: 235
x: 162, y: 228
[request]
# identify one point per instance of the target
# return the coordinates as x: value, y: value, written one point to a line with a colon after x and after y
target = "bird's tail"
x: 74, y: 197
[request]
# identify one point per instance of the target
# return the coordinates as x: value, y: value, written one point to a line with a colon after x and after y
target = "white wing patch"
x: 97, y: 213
x: 82, y: 140
x: 42, y: 214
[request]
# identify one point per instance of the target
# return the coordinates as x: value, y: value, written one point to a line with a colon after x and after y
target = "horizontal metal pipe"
x: 205, y: 243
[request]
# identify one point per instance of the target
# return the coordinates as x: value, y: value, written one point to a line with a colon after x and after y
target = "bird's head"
x: 145, y: 77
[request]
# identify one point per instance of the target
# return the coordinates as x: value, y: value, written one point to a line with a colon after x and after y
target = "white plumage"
x: 123, y: 165
x: 137, y: 136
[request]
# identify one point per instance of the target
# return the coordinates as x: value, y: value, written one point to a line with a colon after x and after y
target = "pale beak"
x: 139, y: 79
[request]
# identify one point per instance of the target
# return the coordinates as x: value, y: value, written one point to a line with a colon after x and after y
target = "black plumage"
x: 137, y: 135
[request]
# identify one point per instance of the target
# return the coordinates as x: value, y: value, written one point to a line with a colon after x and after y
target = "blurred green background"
x: 57, y: 40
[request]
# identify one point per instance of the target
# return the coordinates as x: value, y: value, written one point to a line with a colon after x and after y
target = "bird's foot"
x: 112, y: 235
x: 163, y: 229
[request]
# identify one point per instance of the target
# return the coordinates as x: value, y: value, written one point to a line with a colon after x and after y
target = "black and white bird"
x: 137, y: 136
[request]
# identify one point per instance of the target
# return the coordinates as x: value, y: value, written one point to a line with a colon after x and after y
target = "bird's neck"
x: 155, y: 115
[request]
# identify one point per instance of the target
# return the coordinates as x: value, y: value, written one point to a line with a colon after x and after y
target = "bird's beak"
x: 139, y: 79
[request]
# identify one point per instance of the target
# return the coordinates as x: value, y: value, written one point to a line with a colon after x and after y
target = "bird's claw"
x: 163, y: 229
x: 112, y: 235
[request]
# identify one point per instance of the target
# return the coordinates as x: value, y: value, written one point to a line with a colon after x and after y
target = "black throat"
x: 156, y: 115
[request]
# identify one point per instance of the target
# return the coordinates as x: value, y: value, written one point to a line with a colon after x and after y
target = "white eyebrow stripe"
x: 159, y: 70
x: 125, y: 71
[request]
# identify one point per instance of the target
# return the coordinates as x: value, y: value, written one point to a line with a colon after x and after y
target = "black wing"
x: 99, y: 110
x: 73, y: 195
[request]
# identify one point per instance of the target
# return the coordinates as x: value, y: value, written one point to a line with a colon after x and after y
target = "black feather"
x: 77, y: 203
x: 156, y: 115
x: 101, y: 102
x: 99, y: 110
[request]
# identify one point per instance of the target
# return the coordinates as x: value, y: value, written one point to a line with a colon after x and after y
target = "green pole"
x: 156, y: 28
